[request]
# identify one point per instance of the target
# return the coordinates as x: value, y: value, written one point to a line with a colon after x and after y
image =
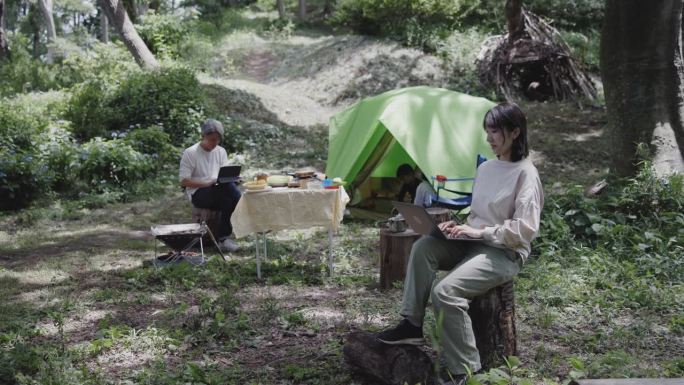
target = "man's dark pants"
x: 222, y: 197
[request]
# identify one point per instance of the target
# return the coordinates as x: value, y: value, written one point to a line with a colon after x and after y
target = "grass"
x: 81, y: 308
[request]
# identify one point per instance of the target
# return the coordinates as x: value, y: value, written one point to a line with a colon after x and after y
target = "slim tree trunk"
x: 328, y: 7
x: 46, y: 9
x: 302, y: 10
x: 514, y: 19
x: 104, y: 26
x: 642, y: 72
x: 4, y: 47
x: 136, y: 46
x: 280, y: 4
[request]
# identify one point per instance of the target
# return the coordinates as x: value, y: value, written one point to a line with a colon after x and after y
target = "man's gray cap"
x: 212, y: 125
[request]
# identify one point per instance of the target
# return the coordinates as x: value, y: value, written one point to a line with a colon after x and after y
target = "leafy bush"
x: 89, y: 111
x: 112, y: 162
x: 171, y: 98
x: 162, y: 33
x: 156, y: 143
x: 60, y: 154
x: 626, y: 244
x: 22, y: 177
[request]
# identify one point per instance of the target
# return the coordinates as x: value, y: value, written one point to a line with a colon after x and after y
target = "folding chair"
x: 181, y: 238
x: 459, y: 203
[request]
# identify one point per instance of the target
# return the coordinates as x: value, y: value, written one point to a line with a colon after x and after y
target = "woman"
x: 505, y: 212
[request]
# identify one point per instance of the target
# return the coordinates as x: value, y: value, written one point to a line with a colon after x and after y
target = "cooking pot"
x: 395, y: 224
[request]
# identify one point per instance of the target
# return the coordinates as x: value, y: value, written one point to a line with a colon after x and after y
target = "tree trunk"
x: 136, y: 46
x: 643, y: 78
x: 104, y: 26
x: 280, y: 4
x: 302, y: 10
x: 46, y: 9
x: 328, y: 7
x: 4, y: 47
x: 514, y: 20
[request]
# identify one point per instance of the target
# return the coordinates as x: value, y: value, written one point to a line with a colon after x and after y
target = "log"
x: 395, y: 249
x: 493, y: 317
x: 389, y: 364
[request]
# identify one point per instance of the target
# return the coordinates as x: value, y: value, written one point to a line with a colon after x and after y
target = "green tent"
x: 437, y: 129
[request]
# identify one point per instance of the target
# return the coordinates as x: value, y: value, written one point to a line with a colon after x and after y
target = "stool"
x: 211, y: 217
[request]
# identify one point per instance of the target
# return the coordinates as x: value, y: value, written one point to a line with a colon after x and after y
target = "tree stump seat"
x: 211, y: 217
x: 493, y: 318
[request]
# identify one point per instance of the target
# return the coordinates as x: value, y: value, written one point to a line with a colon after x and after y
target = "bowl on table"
x: 278, y: 180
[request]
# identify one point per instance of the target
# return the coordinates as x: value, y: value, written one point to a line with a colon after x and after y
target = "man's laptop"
x: 228, y: 174
x: 422, y: 223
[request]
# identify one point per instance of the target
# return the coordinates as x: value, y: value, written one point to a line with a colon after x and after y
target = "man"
x: 199, y: 168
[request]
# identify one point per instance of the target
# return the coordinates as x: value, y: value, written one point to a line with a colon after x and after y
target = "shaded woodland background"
x: 99, y: 99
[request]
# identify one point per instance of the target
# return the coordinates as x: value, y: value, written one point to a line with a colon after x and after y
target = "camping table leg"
x: 258, y: 258
x: 330, y: 255
x: 202, y: 250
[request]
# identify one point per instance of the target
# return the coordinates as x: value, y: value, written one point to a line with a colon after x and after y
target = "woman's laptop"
x: 422, y: 223
x: 228, y: 174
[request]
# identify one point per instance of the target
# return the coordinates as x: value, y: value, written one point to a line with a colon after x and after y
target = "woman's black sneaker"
x: 403, y: 334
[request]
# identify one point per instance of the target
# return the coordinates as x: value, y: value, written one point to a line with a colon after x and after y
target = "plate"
x: 267, y: 188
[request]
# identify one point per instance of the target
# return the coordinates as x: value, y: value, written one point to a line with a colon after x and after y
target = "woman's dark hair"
x: 507, y: 116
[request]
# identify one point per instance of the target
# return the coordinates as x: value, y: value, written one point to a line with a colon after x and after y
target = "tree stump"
x: 211, y: 217
x: 395, y: 249
x: 389, y: 364
x: 493, y: 318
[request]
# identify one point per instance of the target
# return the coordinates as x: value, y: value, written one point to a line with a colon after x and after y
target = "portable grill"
x: 181, y: 238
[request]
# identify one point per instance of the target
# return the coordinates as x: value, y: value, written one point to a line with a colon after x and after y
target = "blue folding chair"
x: 458, y: 203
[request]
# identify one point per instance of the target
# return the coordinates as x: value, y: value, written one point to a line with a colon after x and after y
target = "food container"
x: 278, y: 180
x: 314, y: 184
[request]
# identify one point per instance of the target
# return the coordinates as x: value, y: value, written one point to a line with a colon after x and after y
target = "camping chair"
x: 459, y: 203
x: 181, y: 238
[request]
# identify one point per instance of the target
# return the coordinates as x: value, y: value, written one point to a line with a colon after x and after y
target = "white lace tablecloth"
x: 286, y: 208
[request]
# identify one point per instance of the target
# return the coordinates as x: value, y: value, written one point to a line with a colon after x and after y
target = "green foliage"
x: 22, y: 73
x: 88, y: 110
x: 162, y: 33
x: 415, y: 23
x: 171, y: 99
x: 584, y: 47
x: 22, y: 177
x: 577, y: 15
x: 156, y: 143
x: 113, y: 162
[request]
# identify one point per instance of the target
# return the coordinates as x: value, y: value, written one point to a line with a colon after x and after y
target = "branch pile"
x: 537, y: 65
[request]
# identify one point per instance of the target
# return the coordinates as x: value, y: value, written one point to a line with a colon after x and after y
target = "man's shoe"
x: 228, y: 245
x: 403, y: 334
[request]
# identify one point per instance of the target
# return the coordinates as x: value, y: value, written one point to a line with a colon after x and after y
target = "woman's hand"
x: 465, y: 230
x: 444, y: 226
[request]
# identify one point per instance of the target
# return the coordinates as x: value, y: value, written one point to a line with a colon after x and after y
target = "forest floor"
x: 77, y: 279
